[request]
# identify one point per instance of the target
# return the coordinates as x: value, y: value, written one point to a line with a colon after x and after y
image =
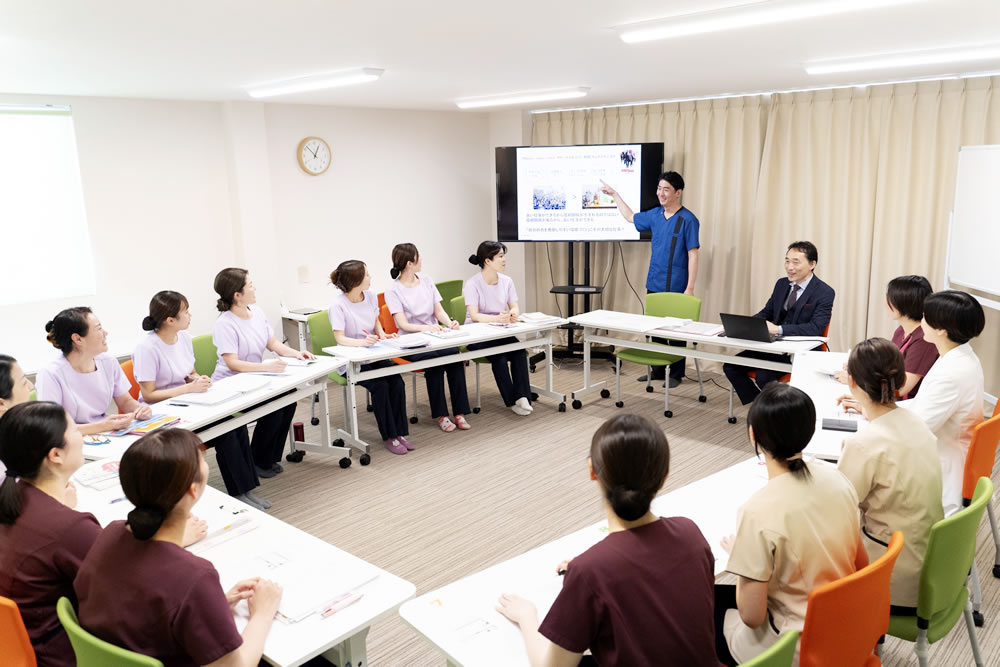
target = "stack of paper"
x: 537, y: 318
x: 99, y: 475
x: 227, y: 389
x: 447, y: 333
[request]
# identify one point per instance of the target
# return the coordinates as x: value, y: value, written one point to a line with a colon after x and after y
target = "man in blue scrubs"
x: 673, y: 260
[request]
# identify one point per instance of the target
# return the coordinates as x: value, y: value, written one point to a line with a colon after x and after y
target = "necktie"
x: 792, y: 297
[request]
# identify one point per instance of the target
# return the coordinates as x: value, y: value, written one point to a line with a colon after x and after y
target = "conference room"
x: 148, y: 147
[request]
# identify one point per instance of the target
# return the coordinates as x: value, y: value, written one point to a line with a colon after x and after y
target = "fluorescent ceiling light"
x: 322, y: 81
x: 907, y: 59
x: 744, y: 16
x: 525, y: 97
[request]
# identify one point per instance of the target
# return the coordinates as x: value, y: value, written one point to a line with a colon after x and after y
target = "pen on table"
x: 116, y: 500
x: 341, y: 603
x: 179, y: 405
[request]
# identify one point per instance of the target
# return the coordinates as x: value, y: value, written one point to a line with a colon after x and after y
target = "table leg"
x: 352, y: 652
x: 302, y: 336
x: 587, y: 386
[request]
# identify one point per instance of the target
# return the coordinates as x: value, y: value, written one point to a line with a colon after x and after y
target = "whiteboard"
x: 975, y: 220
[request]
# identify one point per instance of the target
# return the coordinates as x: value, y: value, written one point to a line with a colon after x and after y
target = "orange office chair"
x: 134, y: 388
x: 787, y: 377
x: 846, y: 618
x: 979, y: 463
x: 15, y: 646
x: 389, y: 326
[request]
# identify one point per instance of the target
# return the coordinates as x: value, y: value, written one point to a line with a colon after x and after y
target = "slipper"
x: 461, y: 422
x: 446, y: 424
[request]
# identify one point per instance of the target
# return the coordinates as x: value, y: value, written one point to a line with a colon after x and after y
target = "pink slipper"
x: 446, y: 424
x: 461, y: 422
x: 406, y: 443
x: 395, y: 446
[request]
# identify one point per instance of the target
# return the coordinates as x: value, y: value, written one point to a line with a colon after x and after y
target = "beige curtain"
x: 867, y: 175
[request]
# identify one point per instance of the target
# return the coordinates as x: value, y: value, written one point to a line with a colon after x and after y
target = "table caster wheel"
x: 531, y: 368
x: 345, y: 462
x: 370, y: 408
x: 365, y: 459
x: 605, y: 393
x: 314, y: 421
x: 996, y: 571
x: 619, y: 404
x: 295, y: 457
x: 668, y: 413
x: 562, y: 407
x: 534, y: 397
x: 702, y: 399
x: 732, y: 420
x: 577, y: 404
x: 413, y: 420
x: 649, y: 389
x: 475, y: 410
x: 339, y: 442
x: 977, y: 618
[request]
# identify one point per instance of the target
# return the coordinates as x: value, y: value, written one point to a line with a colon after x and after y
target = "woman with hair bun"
x: 893, y: 466
x: 42, y: 541
x: 490, y: 297
x: 163, y: 361
x: 86, y: 379
x: 643, y: 594
x: 140, y: 589
x: 798, y: 532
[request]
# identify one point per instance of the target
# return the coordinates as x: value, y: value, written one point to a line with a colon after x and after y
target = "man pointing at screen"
x: 673, y: 260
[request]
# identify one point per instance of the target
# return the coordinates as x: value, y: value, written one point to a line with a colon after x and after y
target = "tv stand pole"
x: 572, y: 289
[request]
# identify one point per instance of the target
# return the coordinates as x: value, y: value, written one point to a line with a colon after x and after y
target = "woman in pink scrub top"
x: 85, y: 379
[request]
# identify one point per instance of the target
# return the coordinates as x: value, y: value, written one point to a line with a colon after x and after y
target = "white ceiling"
x: 435, y: 51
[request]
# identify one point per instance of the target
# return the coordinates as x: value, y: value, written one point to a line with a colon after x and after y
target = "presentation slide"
x: 559, y: 192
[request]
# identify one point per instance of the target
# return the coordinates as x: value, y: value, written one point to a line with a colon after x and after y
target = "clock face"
x: 314, y: 155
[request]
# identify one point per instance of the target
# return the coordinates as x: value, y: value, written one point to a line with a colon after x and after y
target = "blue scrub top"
x: 663, y: 235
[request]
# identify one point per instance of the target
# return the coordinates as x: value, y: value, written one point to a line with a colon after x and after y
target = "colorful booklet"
x: 144, y: 426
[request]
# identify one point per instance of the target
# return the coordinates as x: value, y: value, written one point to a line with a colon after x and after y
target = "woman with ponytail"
x: 163, y: 361
x: 490, y: 297
x: 415, y: 304
x: 643, y: 594
x: 42, y: 541
x: 798, y: 532
x: 141, y: 590
x: 86, y: 379
x: 893, y: 466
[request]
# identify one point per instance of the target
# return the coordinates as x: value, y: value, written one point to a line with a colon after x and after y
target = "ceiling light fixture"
x: 744, y: 16
x: 525, y: 97
x: 311, y: 82
x: 907, y: 59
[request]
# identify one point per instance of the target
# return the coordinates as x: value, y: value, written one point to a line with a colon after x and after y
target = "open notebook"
x: 227, y: 389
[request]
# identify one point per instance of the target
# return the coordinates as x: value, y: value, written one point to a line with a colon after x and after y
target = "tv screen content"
x: 553, y: 193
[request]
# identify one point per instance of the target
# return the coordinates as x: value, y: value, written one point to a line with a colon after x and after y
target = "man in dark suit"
x: 800, y: 305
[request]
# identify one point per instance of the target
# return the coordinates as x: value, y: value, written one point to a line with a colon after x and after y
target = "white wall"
x: 174, y: 191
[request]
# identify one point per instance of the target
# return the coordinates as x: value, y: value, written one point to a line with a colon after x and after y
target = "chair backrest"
x: 950, y: 552
x: 386, y: 320
x: 845, y: 618
x: 15, y: 646
x: 456, y: 309
x: 33, y: 396
x: 320, y: 332
x: 206, y: 356
x: 133, y: 389
x: 94, y: 652
x: 982, y: 452
x: 381, y: 299
x: 673, y: 304
x: 448, y: 290
x: 781, y: 653
x: 996, y: 408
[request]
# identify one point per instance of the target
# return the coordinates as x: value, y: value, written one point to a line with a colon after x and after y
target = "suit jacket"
x: 810, y: 314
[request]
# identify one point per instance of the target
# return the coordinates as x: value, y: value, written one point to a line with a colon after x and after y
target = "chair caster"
x: 649, y: 389
x: 295, y: 457
x: 577, y: 404
x: 619, y: 404
x: 339, y: 442
x: 668, y: 413
x: 475, y: 411
x: 314, y: 421
x: 534, y: 397
x: 732, y: 420
x: 345, y: 462
x: 977, y: 618
x: 531, y: 369
x: 414, y: 420
x: 562, y: 407
x: 365, y: 459
x: 605, y: 393
x: 996, y: 571
x: 702, y: 399
x: 370, y: 408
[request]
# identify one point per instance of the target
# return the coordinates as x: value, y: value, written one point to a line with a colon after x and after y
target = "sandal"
x: 446, y: 424
x: 461, y: 422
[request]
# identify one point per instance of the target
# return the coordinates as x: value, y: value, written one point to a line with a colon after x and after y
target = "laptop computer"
x: 747, y: 328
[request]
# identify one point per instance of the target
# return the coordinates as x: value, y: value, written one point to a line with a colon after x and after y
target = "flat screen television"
x: 552, y: 193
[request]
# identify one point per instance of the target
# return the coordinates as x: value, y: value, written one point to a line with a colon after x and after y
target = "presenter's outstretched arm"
x: 619, y: 202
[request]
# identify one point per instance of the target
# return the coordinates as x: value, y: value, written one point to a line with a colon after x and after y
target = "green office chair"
x: 660, y: 304
x: 943, y: 596
x: 781, y: 653
x: 94, y: 652
x: 33, y: 396
x: 448, y: 290
x: 206, y: 356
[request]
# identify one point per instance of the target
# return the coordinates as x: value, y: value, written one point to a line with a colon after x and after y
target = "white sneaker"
x: 524, y: 403
x: 518, y: 410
